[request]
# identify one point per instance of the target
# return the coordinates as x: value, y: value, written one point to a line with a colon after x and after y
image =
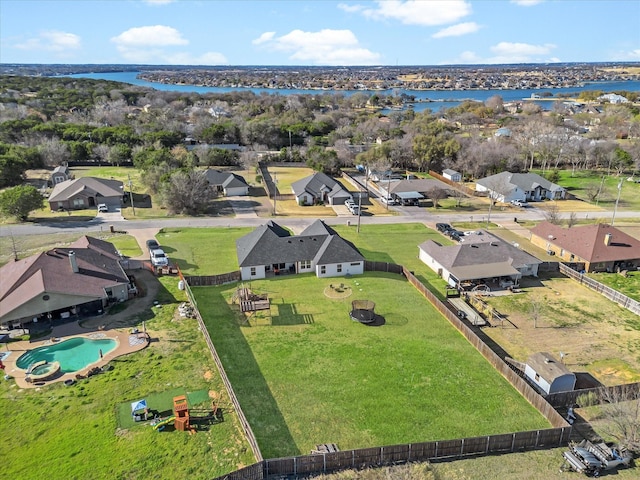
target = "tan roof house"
x: 600, y: 247
x: 82, y: 278
x: 86, y: 192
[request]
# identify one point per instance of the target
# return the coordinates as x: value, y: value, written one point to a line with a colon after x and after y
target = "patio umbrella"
x: 139, y: 405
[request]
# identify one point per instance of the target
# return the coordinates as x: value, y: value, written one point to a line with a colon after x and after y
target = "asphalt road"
x: 409, y: 215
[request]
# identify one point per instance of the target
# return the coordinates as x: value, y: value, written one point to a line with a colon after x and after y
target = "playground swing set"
x: 183, y: 416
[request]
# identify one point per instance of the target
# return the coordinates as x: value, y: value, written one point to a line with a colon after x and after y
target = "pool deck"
x: 128, y: 342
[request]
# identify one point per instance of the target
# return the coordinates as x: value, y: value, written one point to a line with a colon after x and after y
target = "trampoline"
x: 363, y: 311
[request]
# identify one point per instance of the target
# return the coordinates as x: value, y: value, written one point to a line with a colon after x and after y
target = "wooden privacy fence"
x: 608, y: 292
x: 212, y: 280
x: 619, y: 393
x: 412, y: 452
x: 382, y: 267
x: 248, y: 432
x: 456, y: 185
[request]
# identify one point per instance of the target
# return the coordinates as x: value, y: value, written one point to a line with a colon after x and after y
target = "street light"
x: 275, y: 192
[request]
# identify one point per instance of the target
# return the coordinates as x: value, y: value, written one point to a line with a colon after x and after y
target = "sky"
x: 318, y: 32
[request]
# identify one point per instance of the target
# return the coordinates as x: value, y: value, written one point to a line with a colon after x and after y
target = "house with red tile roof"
x: 600, y: 247
x: 82, y: 278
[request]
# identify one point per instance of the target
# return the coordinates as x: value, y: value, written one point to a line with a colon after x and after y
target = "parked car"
x: 158, y: 258
x: 152, y: 244
x: 387, y: 201
x: 103, y: 208
x: 451, y: 233
x: 519, y: 203
x: 443, y: 227
x: 353, y: 208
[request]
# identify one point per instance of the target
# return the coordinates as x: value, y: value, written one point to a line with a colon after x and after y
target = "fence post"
x: 486, y: 451
x: 513, y: 442
x: 462, y: 447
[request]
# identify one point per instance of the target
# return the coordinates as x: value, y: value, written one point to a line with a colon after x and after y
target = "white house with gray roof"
x: 227, y: 183
x: 320, y: 188
x: 481, y: 256
x: 506, y: 187
x: 272, y: 250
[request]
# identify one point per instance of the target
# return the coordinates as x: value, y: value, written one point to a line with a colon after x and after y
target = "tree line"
x: 47, y: 121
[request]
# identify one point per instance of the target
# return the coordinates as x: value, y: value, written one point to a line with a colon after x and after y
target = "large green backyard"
x: 311, y: 375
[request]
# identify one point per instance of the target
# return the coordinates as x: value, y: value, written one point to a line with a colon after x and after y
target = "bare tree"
x: 536, y: 307
x: 572, y: 220
x: 187, y: 192
x: 620, y: 412
x: 436, y: 194
x: 551, y: 213
x: 54, y: 152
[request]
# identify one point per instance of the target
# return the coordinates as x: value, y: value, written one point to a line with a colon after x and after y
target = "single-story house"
x: 86, y: 192
x: 600, y: 247
x: 320, y: 188
x: 273, y: 250
x: 227, y: 183
x: 409, y: 192
x: 479, y: 258
x: 81, y: 278
x: 452, y: 175
x: 506, y: 187
x: 548, y: 375
x: 60, y: 174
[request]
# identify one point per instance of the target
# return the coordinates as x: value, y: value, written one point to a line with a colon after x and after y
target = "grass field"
x: 315, y: 376
x: 73, y: 432
x: 32, y: 244
x: 629, y: 285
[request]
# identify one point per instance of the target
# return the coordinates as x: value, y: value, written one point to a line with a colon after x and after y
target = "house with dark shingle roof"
x: 482, y: 256
x: 319, y: 188
x: 227, y: 183
x: 82, y: 278
x: 86, y: 192
x: 600, y: 247
x: 506, y: 187
x: 273, y: 250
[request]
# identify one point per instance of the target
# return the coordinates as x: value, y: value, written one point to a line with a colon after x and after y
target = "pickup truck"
x: 158, y: 258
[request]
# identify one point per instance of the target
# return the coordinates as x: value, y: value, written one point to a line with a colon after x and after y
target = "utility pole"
x: 615, y: 207
x: 275, y: 192
x: 133, y: 208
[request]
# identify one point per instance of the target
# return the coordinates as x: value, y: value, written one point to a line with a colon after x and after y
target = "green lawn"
x: 73, y: 432
x: 629, y: 285
x: 578, y: 184
x: 315, y: 376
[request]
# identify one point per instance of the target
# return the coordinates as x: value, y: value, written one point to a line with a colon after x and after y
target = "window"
x: 339, y: 268
x: 78, y: 202
x: 537, y: 377
x: 355, y: 264
x: 323, y: 270
x: 305, y: 264
x: 253, y: 271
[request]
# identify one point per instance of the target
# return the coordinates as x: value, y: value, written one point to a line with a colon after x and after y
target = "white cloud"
x: 325, y: 47
x: 150, y: 36
x: 527, y: 3
x: 521, y: 50
x: 265, y: 37
x: 626, y: 56
x: 350, y: 8
x: 154, y: 44
x: 457, y: 30
x: 52, y: 41
x: 158, y: 2
x: 506, y: 52
x: 419, y: 12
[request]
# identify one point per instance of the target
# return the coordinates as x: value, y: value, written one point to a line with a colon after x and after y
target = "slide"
x: 164, y: 422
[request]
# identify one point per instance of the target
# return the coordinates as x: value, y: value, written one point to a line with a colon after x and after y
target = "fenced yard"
x: 314, y: 376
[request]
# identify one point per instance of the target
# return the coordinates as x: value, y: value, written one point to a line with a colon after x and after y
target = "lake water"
x: 439, y: 99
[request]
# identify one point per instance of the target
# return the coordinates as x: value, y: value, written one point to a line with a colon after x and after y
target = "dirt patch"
x: 593, y: 333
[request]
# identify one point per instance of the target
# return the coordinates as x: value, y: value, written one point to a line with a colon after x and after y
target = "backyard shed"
x: 549, y: 375
x: 452, y: 175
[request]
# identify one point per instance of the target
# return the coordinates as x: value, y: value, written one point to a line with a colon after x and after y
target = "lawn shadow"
x: 244, y: 373
x: 288, y: 315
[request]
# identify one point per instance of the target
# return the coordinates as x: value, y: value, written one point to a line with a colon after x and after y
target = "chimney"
x: 607, y: 239
x: 73, y: 261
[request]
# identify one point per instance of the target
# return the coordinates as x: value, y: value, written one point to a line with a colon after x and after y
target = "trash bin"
x: 515, y: 219
x: 111, y: 228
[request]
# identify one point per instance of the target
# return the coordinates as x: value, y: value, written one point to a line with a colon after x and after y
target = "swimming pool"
x: 73, y: 354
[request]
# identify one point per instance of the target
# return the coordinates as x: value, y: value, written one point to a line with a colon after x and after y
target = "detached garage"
x: 549, y: 375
